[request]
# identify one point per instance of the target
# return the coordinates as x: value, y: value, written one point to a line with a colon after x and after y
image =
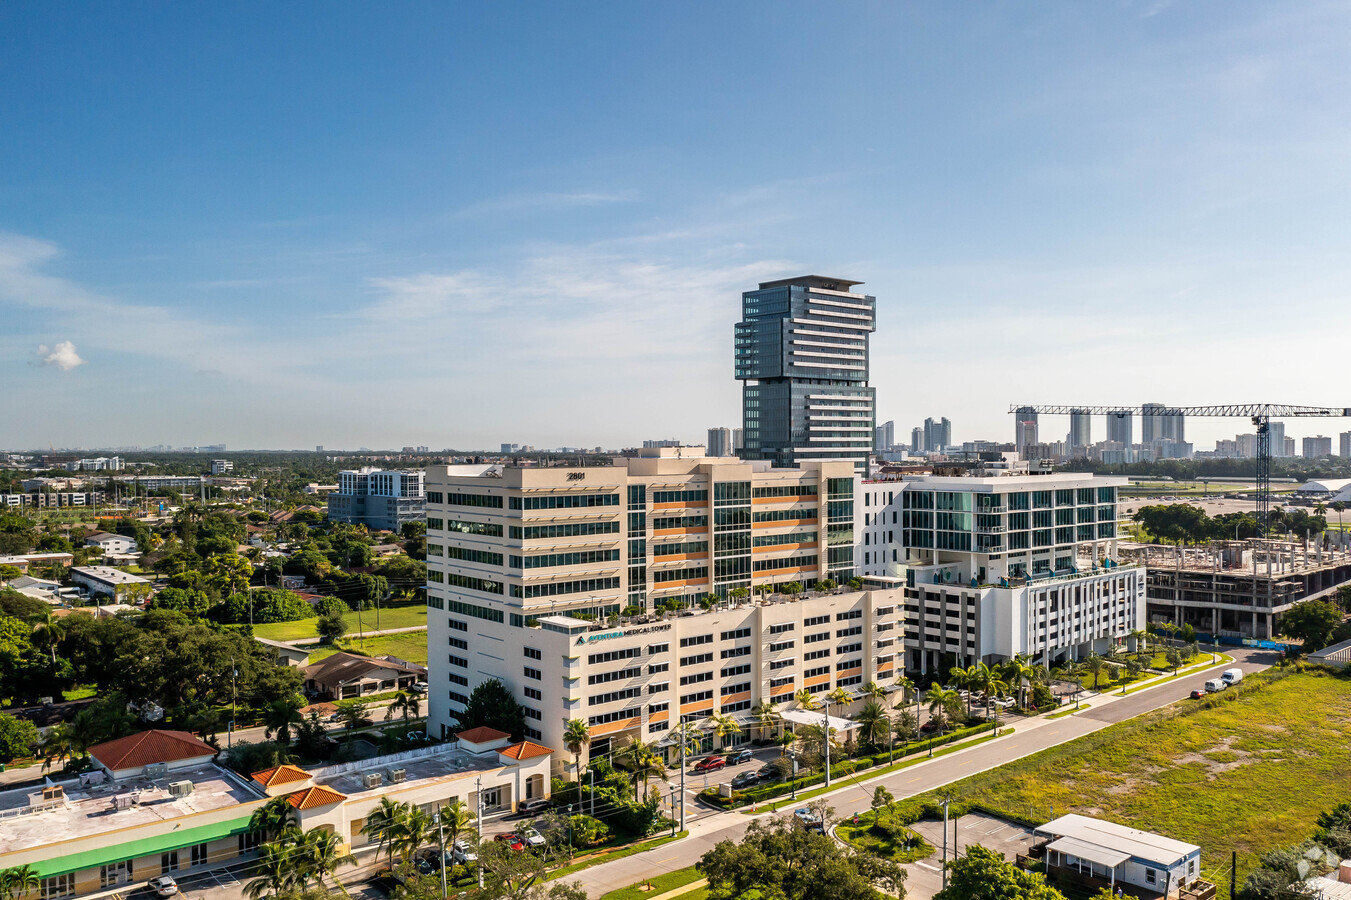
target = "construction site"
x: 1238, y: 589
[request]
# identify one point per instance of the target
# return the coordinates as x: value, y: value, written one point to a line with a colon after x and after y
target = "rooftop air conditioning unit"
x: 156, y: 770
x: 124, y: 801
x: 180, y: 788
x: 397, y: 776
x: 372, y: 780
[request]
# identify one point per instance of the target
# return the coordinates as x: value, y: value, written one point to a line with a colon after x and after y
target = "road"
x: 708, y: 827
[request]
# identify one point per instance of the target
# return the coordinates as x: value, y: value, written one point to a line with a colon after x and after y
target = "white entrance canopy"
x: 803, y: 717
x: 1094, y: 853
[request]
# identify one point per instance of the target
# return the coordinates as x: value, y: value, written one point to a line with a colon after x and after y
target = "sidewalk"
x: 305, y: 642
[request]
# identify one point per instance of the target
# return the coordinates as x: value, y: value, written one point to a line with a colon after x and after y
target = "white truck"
x: 1215, y: 685
x: 1232, y: 676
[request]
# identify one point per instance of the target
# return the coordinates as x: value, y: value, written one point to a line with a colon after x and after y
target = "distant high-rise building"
x: 1317, y: 447
x: 916, y: 439
x: 1025, y: 428
x: 662, y: 442
x: 1152, y: 423
x: 1247, y: 445
x: 1081, y: 428
x: 802, y: 358
x: 944, y: 433
x: 1289, y: 447
x: 737, y: 442
x: 884, y: 436
x: 510, y: 448
x: 719, y: 442
x: 1345, y: 443
x: 1277, y: 431
x: 318, y: 448
x: 1121, y: 428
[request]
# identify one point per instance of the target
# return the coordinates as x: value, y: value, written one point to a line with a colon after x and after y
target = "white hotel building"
x: 529, y: 570
x: 1002, y: 564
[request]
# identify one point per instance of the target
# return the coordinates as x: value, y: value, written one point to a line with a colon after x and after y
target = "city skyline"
x: 249, y: 239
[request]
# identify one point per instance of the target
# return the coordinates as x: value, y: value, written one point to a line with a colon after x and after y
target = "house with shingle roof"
x: 344, y: 675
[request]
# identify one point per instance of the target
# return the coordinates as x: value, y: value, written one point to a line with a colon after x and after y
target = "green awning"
x: 160, y: 843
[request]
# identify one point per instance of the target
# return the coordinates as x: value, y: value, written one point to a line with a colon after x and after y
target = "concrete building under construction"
x: 1238, y: 588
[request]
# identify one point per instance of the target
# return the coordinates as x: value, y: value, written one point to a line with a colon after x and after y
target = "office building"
x: 379, y: 499
x: 720, y: 442
x: 525, y: 563
x: 1317, y: 447
x: 884, y: 437
x: 1151, y: 422
x: 737, y: 443
x: 1121, y: 428
x: 937, y: 435
x: 1344, y: 444
x: 916, y: 440
x: 222, y: 467
x: 1081, y: 428
x: 1277, y: 432
x: 1024, y: 429
x: 802, y: 357
x: 1002, y: 562
x: 156, y: 803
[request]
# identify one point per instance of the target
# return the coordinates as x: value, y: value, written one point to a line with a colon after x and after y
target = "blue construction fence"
x: 1230, y: 640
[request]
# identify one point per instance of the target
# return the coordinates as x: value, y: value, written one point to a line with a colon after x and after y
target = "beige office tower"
x: 564, y: 583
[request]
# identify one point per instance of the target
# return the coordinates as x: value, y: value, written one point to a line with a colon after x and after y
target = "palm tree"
x: 875, y: 724
x: 413, y: 831
x: 18, y: 881
x: 1019, y: 673
x: 270, y: 819
x: 724, y: 727
x: 51, y: 629
x: 840, y: 697
x: 321, y: 852
x: 1339, y: 507
x: 978, y: 677
x: 644, y: 761
x: 766, y: 715
x: 941, y: 702
x: 960, y: 679
x: 457, y: 818
x: 905, y: 686
x: 1095, y: 664
x: 806, y: 700
x: 405, y: 704
x: 383, y: 823
x: 58, y: 745
x: 277, y: 871
x: 994, y: 687
x: 280, y: 716
x: 689, y: 736
x: 576, y: 735
x: 875, y: 690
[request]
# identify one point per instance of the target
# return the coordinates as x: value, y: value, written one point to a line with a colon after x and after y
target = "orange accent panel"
x: 677, y: 557
x: 680, y: 504
x: 778, y: 547
x: 885, y: 667
x: 666, y: 585
x: 679, y: 532
x: 658, y: 717
x: 697, y: 707
x: 817, y: 679
x: 733, y: 698
x: 612, y: 727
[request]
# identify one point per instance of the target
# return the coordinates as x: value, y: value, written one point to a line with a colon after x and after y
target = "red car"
x: 512, y: 840
x: 708, y: 764
x: 1197, y: 695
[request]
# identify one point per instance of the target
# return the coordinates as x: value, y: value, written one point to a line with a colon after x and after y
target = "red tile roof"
x: 149, y: 747
x: 287, y: 774
x: 481, y: 735
x: 315, y: 797
x: 525, y: 750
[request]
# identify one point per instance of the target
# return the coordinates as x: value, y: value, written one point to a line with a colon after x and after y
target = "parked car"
x: 512, y: 840
x: 418, y: 687
x: 463, y: 854
x: 769, y: 772
x: 431, y: 860
x: 533, y: 808
x: 739, y: 757
x: 805, y: 818
x: 1198, y: 694
x: 532, y: 836
x: 710, y: 763
x: 163, y: 886
x: 744, y: 780
x: 390, y: 881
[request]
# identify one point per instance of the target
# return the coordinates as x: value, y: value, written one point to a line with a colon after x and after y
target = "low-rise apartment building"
x: 523, y: 562
x: 157, y: 804
x: 1000, y: 563
x: 111, y: 582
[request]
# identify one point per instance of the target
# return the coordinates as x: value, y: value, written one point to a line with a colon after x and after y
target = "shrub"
x: 588, y: 832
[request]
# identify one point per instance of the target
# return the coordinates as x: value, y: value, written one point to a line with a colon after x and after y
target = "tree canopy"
x: 492, y: 705
x: 984, y: 874
x: 1312, y: 622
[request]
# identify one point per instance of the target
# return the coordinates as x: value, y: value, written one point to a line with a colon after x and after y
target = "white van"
x: 1232, y: 676
x: 1215, y: 685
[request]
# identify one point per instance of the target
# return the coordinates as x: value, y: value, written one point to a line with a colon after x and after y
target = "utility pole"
x: 441, y: 842
x: 591, y: 782
x: 826, y: 741
x: 478, y: 793
x: 229, y: 735
x: 681, y: 736
x: 945, y: 843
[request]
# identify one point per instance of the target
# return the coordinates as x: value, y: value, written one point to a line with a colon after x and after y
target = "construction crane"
x: 1261, y: 415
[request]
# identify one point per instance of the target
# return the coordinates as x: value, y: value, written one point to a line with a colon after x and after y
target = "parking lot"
x: 925, y: 877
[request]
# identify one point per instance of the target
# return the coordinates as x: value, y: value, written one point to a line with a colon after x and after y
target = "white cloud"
x: 63, y: 356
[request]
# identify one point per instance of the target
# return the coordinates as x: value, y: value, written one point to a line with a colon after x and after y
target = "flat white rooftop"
x: 1144, y: 845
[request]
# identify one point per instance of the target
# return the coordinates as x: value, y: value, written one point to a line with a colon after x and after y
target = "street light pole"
x: 441, y: 842
x: 945, y: 843
x: 826, y: 735
x: 478, y: 794
x: 680, y: 733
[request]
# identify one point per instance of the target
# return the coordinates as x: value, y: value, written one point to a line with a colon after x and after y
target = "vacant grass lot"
x: 1247, y: 773
x: 402, y: 615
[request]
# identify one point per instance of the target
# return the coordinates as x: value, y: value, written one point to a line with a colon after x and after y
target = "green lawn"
x: 1247, y: 772
x: 411, y: 646
x: 660, y: 885
x: 863, y: 837
x: 403, y: 615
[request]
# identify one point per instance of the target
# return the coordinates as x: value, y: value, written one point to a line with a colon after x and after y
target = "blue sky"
x: 280, y: 225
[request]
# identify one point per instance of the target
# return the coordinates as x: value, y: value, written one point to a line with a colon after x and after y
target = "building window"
x: 532, y: 693
x: 249, y: 841
x: 199, y: 854
x: 781, y: 627
x: 168, y: 862
x: 1151, y: 876
x: 458, y: 661
x: 658, y: 668
x: 696, y: 640
x: 58, y: 886
x: 490, y: 799
x: 532, y: 653
x: 733, y: 652
x: 114, y: 874
x: 458, y: 625
x: 533, y: 673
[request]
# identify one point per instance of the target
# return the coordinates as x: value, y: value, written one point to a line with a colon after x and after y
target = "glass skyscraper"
x: 802, y: 359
